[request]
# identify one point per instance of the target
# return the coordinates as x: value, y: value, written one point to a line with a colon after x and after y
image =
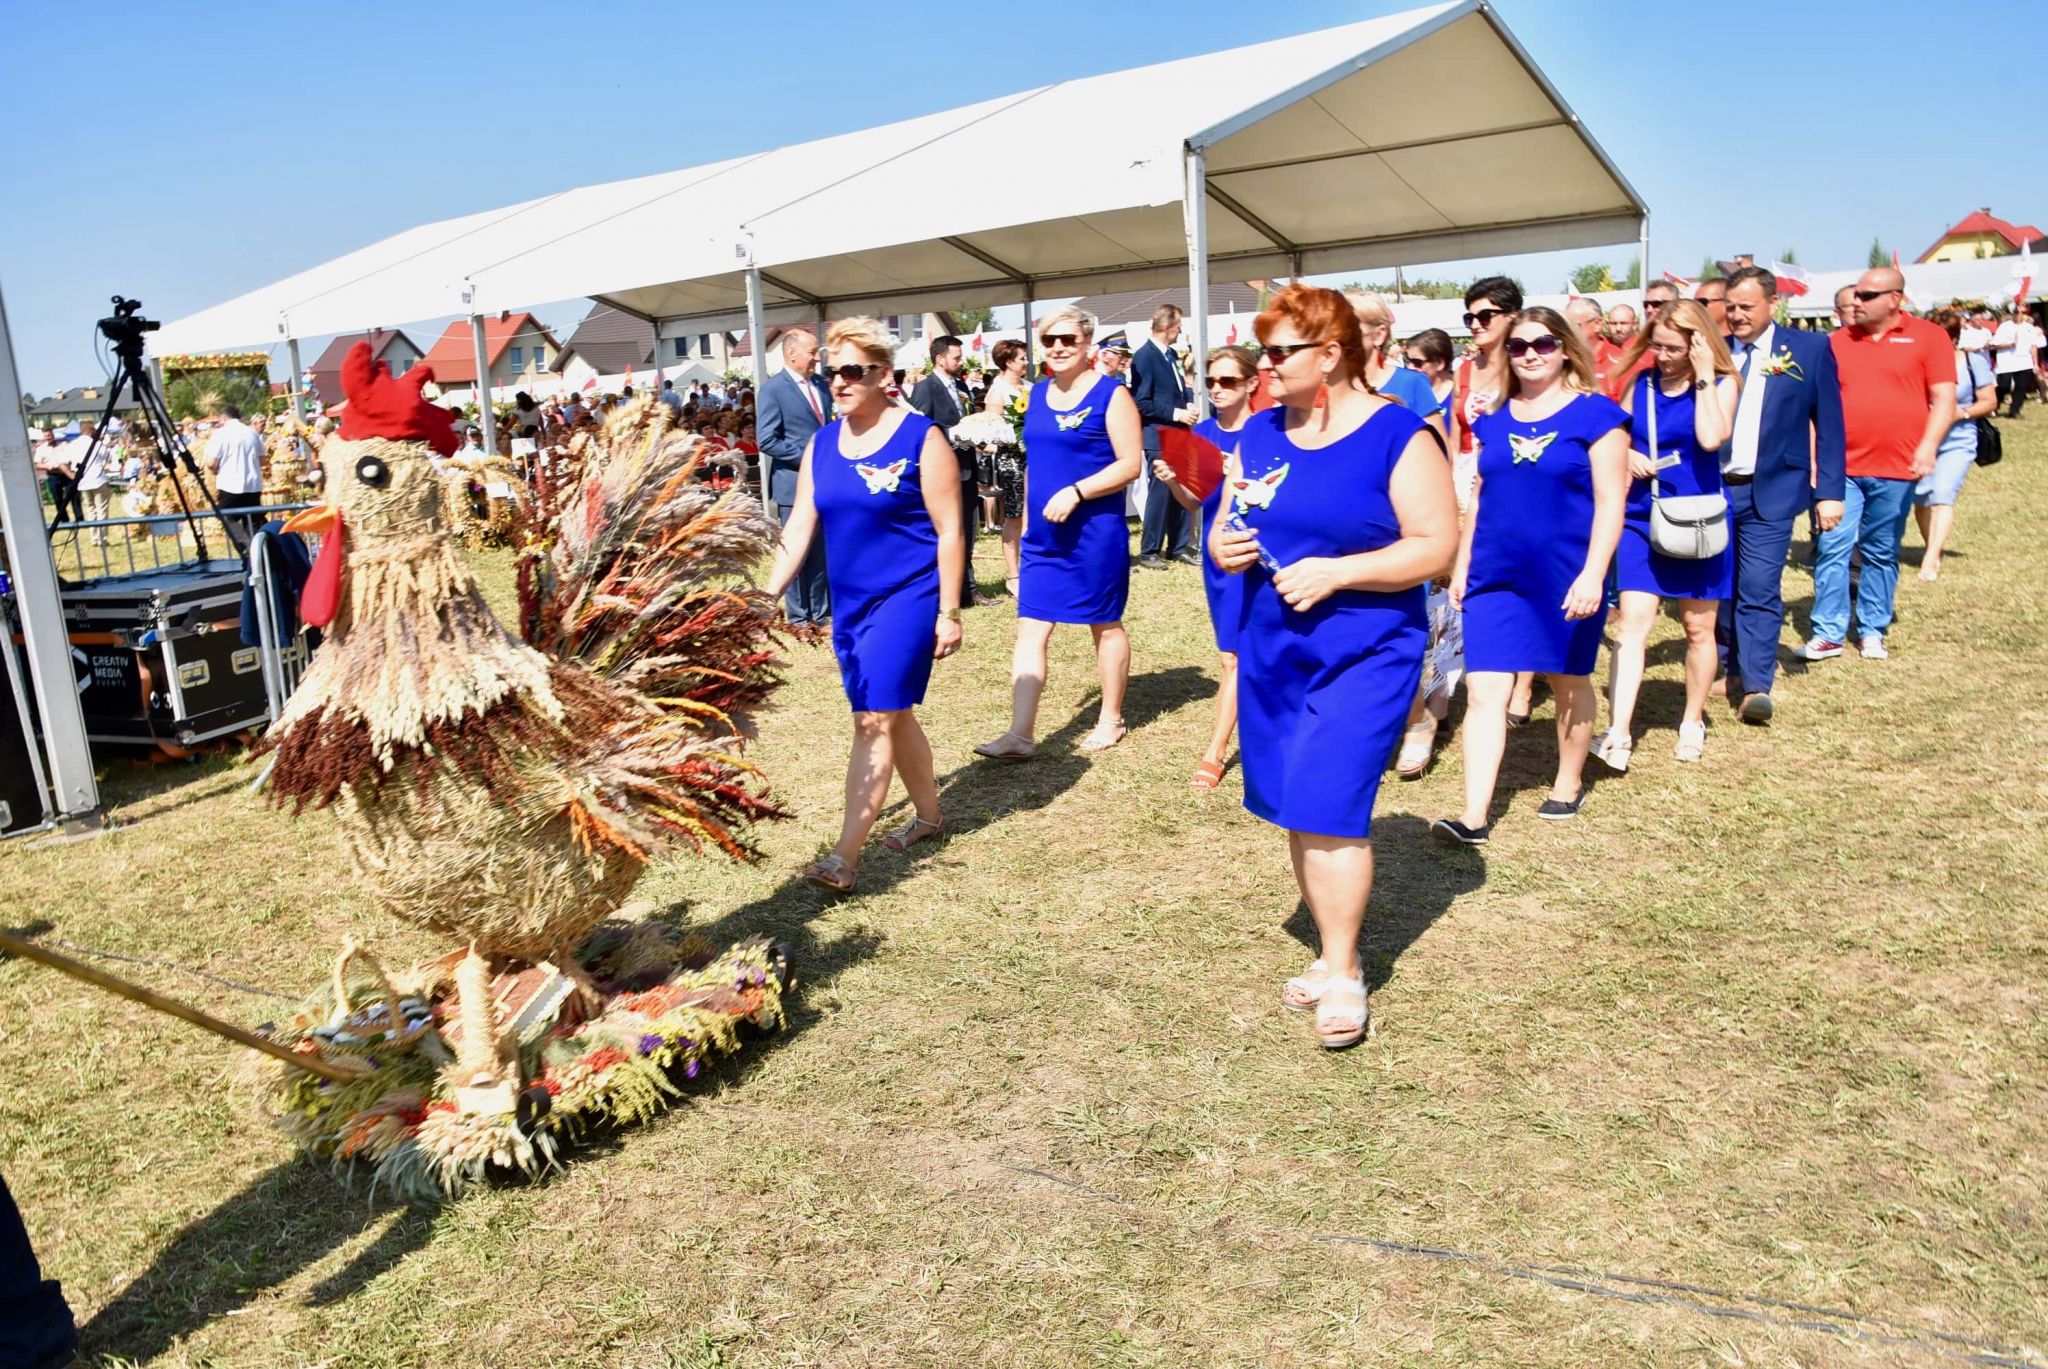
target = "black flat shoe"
x: 1458, y: 834
x: 1516, y: 720
x: 1557, y: 810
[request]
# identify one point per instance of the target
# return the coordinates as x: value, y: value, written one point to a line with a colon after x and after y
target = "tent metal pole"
x: 1195, y: 208
x: 291, y: 347
x: 1030, y: 333
x: 1643, y: 260
x: 486, y: 420
x: 1294, y: 268
x: 33, y: 571
x: 756, y: 337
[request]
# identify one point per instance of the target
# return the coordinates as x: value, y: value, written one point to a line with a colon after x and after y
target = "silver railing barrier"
x: 102, y: 548
x: 285, y: 655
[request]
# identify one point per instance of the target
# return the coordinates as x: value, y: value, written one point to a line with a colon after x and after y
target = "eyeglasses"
x: 1415, y: 361
x: 1483, y: 318
x: 1547, y: 345
x: 1059, y: 339
x: 1868, y: 295
x: 1280, y: 353
x: 853, y: 375
x: 1228, y: 382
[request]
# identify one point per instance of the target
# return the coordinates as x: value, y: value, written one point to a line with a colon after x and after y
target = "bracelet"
x: 1078, y: 495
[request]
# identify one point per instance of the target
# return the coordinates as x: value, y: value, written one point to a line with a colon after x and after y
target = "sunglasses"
x: 1547, y: 345
x: 1228, y: 382
x: 853, y: 375
x: 1415, y: 361
x: 1059, y: 339
x: 1276, y: 355
x: 1868, y: 295
x: 1484, y: 318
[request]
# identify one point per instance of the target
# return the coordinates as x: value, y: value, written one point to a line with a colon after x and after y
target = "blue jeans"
x: 1873, y: 517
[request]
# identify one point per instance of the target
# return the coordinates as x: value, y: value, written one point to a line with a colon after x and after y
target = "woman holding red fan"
x: 1233, y: 372
x: 1337, y: 517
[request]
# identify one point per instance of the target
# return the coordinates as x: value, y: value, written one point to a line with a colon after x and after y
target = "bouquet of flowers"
x: 983, y: 430
x: 1014, y: 412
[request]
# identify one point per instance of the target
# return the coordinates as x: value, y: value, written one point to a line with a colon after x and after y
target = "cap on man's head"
x: 1115, y: 342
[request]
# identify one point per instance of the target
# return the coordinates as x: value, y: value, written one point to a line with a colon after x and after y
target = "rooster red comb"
x: 393, y: 409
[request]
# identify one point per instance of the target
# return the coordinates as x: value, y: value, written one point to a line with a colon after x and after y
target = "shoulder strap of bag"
x: 1650, y: 395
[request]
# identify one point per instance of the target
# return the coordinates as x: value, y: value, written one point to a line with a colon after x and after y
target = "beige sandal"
x: 913, y: 832
x: 1305, y: 990
x: 1336, y: 1006
x: 1105, y: 735
x: 831, y: 873
x: 1022, y: 749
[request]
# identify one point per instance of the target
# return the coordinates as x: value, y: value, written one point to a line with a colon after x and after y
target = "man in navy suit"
x: 942, y: 397
x: 1163, y: 402
x: 793, y: 405
x: 1785, y: 456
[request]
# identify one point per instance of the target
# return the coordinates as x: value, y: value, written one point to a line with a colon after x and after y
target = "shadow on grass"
x: 1416, y: 879
x: 288, y: 1218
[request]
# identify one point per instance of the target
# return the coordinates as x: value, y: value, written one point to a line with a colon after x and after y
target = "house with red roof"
x: 1979, y: 235
x: 386, y: 344
x: 517, y: 348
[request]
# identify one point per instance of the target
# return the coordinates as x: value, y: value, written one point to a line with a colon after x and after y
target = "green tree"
x: 1592, y: 276
x: 1789, y: 257
x: 1710, y: 269
x: 966, y: 322
x: 1634, y: 279
x: 1878, y: 256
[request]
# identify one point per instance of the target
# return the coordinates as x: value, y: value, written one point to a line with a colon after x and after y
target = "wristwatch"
x: 951, y: 615
x: 1701, y: 384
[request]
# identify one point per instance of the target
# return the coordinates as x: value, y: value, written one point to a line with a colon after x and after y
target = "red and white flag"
x: 589, y: 385
x: 1791, y: 279
x: 2023, y: 273
x: 977, y: 342
x: 1680, y: 281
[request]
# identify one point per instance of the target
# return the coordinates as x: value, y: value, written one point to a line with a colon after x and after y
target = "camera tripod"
x: 124, y: 330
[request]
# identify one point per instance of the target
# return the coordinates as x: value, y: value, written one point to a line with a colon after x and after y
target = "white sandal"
x: 1310, y: 989
x: 1344, y: 992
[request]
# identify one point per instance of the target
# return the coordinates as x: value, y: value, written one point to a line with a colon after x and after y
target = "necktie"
x: 811, y: 397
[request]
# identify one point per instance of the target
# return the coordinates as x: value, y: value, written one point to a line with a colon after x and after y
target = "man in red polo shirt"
x: 1898, y: 399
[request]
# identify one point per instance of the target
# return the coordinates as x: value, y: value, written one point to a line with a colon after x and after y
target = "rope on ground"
x: 1833, y: 1321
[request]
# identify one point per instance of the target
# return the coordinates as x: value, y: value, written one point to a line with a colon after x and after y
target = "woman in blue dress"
x: 1695, y: 389
x: 1083, y: 444
x: 1532, y: 573
x: 1337, y: 517
x: 1233, y: 371
x: 883, y: 485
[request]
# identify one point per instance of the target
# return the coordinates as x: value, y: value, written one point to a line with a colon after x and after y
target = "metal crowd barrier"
x: 102, y: 548
x: 284, y: 661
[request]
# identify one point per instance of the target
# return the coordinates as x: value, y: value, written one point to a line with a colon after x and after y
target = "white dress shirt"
x: 93, y: 471
x: 236, y: 452
x: 1750, y: 359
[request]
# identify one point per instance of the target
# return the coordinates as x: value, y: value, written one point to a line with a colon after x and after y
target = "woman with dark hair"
x: 1336, y: 516
x: 1006, y: 503
x: 1429, y: 355
x: 1532, y: 572
x: 1429, y: 352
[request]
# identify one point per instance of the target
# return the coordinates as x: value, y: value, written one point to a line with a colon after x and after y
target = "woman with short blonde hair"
x: 1082, y: 446
x: 882, y: 484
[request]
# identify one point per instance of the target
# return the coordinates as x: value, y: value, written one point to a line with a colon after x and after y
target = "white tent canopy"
x: 1422, y: 136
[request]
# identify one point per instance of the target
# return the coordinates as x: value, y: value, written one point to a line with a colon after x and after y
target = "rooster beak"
x: 320, y: 518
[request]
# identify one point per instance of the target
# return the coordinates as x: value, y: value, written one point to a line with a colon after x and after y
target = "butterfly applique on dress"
x: 1249, y: 492
x: 1531, y: 447
x: 883, y: 479
x: 1069, y: 422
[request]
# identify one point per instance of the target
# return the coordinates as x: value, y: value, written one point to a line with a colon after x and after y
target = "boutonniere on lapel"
x: 1780, y: 363
x: 1529, y: 448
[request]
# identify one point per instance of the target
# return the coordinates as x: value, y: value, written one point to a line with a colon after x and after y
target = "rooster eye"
x: 373, y: 472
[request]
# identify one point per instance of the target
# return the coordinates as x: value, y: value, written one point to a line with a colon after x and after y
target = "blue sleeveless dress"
x: 881, y: 565
x: 1535, y: 522
x: 1638, y: 565
x: 1323, y: 696
x: 1078, y: 571
x: 1224, y: 590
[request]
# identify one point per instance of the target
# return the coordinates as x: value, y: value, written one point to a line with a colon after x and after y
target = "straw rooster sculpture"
x: 508, y: 790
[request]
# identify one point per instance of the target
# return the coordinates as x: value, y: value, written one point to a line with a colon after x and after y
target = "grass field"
x: 1769, y: 1027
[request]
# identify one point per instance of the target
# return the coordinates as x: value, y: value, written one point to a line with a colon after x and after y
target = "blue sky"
x: 265, y: 138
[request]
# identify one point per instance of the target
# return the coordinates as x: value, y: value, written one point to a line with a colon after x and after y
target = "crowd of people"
x: 1392, y: 522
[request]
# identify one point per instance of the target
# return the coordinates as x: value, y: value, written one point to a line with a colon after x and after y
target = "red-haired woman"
x: 1337, y: 516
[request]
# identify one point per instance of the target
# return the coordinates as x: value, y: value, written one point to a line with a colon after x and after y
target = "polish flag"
x: 977, y: 342
x: 589, y: 385
x: 1231, y: 341
x: 1680, y: 281
x: 2023, y: 272
x: 1895, y: 259
x: 1791, y: 279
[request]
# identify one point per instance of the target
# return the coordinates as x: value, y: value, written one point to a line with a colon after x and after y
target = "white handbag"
x: 1685, y: 527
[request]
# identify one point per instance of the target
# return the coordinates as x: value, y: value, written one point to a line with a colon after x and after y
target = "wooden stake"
x: 29, y: 950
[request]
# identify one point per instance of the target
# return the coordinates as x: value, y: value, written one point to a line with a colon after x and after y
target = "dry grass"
x: 1771, y: 1025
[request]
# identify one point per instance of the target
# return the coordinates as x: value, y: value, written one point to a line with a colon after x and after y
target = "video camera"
x: 126, y: 327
